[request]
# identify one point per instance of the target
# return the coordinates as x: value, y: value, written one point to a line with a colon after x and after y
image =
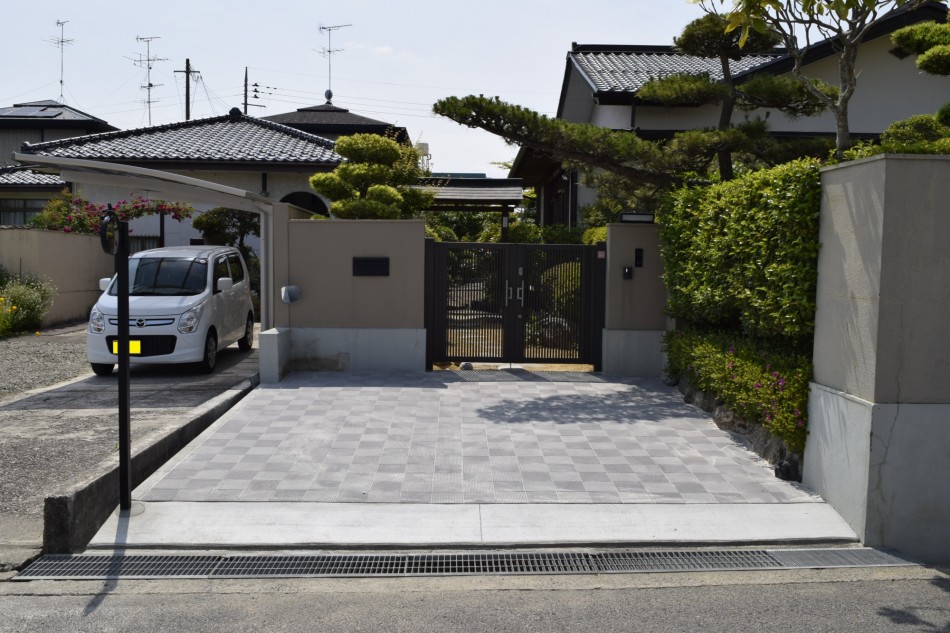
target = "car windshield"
x: 165, y: 276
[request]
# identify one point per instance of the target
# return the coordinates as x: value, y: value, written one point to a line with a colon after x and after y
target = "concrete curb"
x: 72, y: 517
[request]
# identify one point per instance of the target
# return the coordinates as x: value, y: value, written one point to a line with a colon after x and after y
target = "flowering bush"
x: 23, y: 303
x: 760, y: 381
x: 72, y: 213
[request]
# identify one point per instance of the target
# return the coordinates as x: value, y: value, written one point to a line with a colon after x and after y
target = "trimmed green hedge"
x: 759, y: 380
x: 743, y: 254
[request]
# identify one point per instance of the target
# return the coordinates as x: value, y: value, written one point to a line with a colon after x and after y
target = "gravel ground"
x: 32, y: 361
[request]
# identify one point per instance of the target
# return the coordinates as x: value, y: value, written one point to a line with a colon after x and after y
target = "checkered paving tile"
x: 471, y: 437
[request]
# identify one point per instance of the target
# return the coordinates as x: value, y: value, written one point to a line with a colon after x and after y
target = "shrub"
x: 519, y: 232
x: 920, y: 127
x: 72, y: 213
x: 743, y: 254
x: 24, y: 303
x: 594, y: 235
x: 761, y: 381
x: 561, y: 234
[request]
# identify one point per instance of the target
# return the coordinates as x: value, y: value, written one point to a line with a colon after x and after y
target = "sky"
x: 392, y: 59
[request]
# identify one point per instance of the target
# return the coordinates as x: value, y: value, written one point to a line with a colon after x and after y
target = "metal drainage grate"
x: 82, y: 567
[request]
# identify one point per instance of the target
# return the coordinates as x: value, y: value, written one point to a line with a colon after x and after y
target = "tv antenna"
x: 328, y: 51
x: 61, y: 43
x: 146, y: 63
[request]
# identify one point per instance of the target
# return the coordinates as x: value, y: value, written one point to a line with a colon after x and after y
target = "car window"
x: 237, y: 271
x: 165, y: 276
x: 220, y: 270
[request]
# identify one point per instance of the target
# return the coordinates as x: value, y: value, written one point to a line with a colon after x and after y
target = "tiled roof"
x: 627, y: 70
x: 47, y: 112
x: 18, y: 176
x: 335, y: 121
x: 231, y: 139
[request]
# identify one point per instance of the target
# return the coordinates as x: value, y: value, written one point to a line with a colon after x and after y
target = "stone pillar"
x: 635, y: 323
x: 878, y: 448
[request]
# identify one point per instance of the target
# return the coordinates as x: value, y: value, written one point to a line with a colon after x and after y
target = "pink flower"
x: 66, y: 229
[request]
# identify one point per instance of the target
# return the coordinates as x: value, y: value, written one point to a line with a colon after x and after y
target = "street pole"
x: 119, y: 246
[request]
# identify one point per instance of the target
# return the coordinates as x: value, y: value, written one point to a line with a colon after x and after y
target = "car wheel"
x: 102, y: 369
x: 245, y: 343
x: 211, y: 354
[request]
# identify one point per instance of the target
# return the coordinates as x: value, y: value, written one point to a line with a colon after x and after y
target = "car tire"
x: 247, y: 341
x: 102, y: 369
x: 211, y: 353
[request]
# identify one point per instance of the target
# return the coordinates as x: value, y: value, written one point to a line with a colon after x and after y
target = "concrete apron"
x: 198, y: 500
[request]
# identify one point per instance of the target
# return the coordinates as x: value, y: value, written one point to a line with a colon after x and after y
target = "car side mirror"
x: 225, y: 283
x: 104, y: 283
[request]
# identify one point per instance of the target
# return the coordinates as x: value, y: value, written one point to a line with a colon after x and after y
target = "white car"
x: 185, y: 304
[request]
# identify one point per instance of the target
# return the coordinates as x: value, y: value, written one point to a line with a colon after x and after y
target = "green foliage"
x: 519, y: 232
x: 594, y: 235
x: 785, y: 93
x: 73, y: 213
x: 561, y: 234
x: 24, y: 302
x: 920, y: 127
x: 683, y: 89
x: 561, y: 285
x: 440, y: 232
x: 709, y: 36
x: 375, y: 181
x: 761, y: 381
x: 228, y: 227
x: 743, y: 254
x: 943, y: 114
x: 930, y: 41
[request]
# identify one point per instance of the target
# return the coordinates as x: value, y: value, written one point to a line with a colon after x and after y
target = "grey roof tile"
x: 627, y: 71
x: 17, y: 176
x: 234, y: 138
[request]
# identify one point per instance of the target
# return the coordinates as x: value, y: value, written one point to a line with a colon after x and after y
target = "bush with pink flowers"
x: 73, y: 213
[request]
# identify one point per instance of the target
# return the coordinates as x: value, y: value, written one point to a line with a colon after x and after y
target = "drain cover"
x: 82, y: 567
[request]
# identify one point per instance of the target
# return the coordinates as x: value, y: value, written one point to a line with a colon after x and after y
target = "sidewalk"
x: 470, y: 458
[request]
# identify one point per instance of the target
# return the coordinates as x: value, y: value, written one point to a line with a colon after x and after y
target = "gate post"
x: 878, y: 448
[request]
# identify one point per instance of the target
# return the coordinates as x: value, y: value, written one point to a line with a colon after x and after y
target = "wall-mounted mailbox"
x: 290, y: 294
x: 628, y: 272
x: 638, y: 258
x: 371, y: 267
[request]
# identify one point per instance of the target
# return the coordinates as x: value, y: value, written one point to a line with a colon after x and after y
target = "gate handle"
x: 508, y: 290
x: 521, y: 294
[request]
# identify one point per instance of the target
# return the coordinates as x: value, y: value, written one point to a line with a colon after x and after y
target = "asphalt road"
x: 53, y: 436
x: 862, y: 600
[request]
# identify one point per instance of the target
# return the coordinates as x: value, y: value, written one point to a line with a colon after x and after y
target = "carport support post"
x: 125, y: 438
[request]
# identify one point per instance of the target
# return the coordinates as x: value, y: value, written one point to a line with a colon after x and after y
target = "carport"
x: 181, y: 187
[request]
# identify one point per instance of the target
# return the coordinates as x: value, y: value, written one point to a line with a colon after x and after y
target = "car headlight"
x: 188, y: 322
x: 97, y: 322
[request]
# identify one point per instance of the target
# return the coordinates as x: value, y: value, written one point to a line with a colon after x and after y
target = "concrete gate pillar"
x: 878, y: 448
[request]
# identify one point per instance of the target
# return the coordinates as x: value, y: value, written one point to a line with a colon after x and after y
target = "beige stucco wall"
x: 74, y: 263
x: 884, y: 271
x: 320, y: 261
x: 638, y: 303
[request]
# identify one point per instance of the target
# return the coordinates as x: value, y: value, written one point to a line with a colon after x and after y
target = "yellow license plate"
x: 135, y: 347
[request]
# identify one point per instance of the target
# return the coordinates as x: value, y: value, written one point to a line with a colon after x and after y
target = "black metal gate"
x: 524, y: 303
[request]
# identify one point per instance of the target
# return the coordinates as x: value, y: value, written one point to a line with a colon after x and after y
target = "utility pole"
x: 328, y: 52
x: 61, y: 43
x: 188, y: 73
x: 246, y: 104
x: 146, y: 62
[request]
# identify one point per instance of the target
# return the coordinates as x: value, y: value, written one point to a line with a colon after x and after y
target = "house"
x: 23, y: 193
x: 601, y: 83
x: 234, y: 150
x: 331, y: 122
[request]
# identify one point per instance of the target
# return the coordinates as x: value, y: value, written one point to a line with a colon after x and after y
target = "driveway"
x: 52, y: 437
x: 467, y: 458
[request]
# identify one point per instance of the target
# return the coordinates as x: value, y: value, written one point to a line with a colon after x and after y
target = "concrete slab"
x: 311, y: 525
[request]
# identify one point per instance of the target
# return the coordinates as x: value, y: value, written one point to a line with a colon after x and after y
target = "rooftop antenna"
x: 61, y: 43
x: 328, y: 51
x: 146, y: 62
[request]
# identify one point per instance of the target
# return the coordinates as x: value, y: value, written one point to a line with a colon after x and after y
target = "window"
x: 220, y: 271
x: 237, y: 271
x: 18, y: 212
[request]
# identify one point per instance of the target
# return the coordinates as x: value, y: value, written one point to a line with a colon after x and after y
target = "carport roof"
x: 475, y: 194
x: 226, y: 142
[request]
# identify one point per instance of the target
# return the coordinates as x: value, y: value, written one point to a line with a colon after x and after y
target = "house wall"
x: 342, y: 321
x: 878, y: 447
x: 578, y: 102
x: 11, y: 139
x: 73, y: 263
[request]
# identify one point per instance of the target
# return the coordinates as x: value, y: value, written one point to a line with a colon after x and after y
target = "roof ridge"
x: 178, y: 125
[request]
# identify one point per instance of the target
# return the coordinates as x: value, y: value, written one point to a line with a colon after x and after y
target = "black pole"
x: 118, y: 245
x: 187, y: 89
